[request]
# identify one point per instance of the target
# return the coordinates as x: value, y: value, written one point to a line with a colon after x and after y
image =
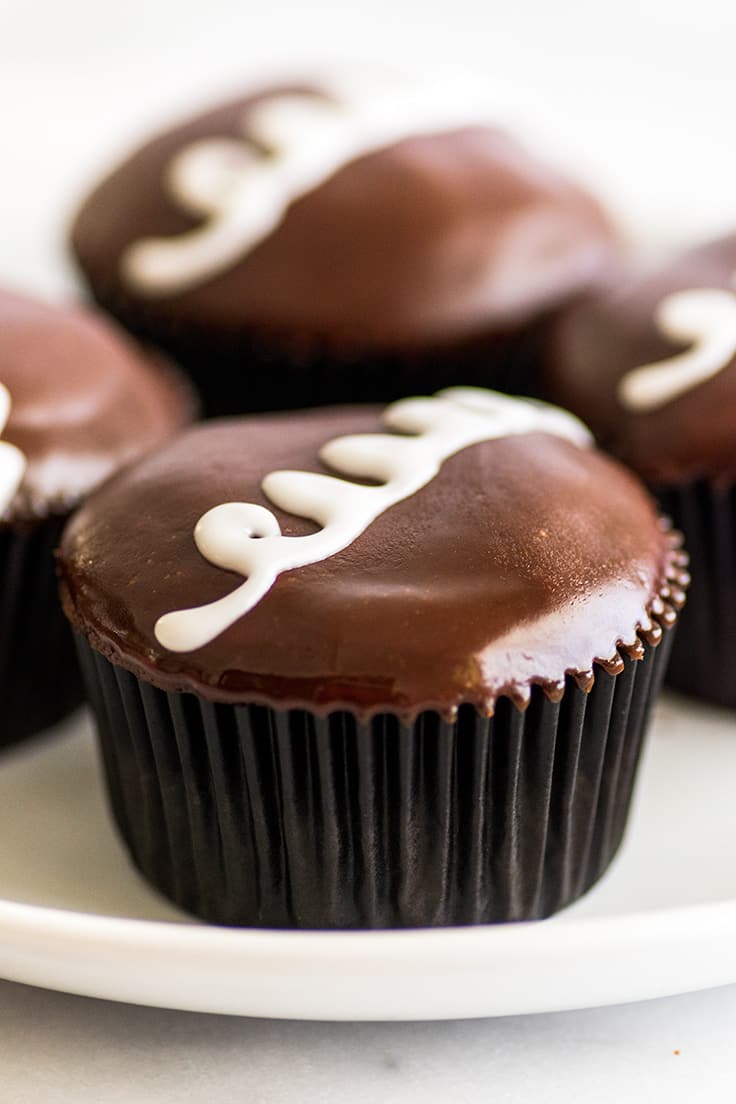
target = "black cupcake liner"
x: 703, y: 662
x: 251, y: 373
x: 246, y: 815
x: 39, y: 675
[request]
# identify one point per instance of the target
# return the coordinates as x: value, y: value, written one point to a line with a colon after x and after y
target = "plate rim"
x: 343, y: 975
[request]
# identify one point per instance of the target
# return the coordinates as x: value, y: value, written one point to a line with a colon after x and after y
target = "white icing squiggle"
x: 12, y: 461
x: 439, y: 426
x: 704, y: 317
x: 243, y: 195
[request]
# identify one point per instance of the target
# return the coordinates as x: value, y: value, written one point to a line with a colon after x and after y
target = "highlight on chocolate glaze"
x: 246, y: 537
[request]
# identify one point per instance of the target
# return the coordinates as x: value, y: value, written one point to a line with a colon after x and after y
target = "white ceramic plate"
x: 75, y: 916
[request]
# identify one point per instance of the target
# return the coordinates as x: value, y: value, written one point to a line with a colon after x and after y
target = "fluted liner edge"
x: 247, y: 815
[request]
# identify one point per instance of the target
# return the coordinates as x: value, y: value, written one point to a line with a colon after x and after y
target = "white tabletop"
x: 640, y: 96
x: 56, y: 1049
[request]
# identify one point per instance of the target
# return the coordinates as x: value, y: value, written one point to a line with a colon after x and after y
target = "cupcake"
x: 353, y: 669
x: 77, y: 401
x: 651, y: 367
x: 309, y: 245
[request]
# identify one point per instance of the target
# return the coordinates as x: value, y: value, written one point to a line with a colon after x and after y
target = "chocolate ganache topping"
x: 525, y: 557
x: 297, y: 212
x: 81, y: 401
x: 650, y: 365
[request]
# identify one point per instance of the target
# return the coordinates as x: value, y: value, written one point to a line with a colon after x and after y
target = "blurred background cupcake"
x: 427, y: 710
x: 341, y: 242
x: 651, y: 367
x: 77, y: 401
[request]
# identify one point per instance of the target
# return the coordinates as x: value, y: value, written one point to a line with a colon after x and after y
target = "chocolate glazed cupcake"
x: 651, y: 366
x: 423, y: 707
x: 303, y: 245
x: 77, y: 401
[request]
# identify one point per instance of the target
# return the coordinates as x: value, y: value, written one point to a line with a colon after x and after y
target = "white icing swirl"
x: 12, y: 461
x: 439, y: 427
x: 705, y: 318
x: 243, y: 194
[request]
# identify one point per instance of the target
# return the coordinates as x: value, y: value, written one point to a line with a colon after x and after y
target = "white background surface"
x: 71, y: 1050
x: 640, y: 94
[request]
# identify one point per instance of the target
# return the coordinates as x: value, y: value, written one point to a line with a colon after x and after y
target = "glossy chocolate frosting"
x: 435, y: 238
x: 84, y: 401
x: 524, y: 559
x: 600, y: 340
